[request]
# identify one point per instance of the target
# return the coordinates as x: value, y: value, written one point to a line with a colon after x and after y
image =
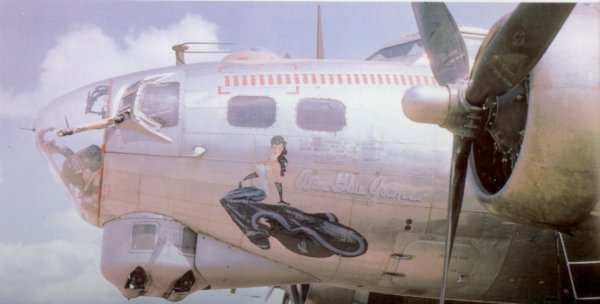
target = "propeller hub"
x: 427, y: 104
x: 445, y: 106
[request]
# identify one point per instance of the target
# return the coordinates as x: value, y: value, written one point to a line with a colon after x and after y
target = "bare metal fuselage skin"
x: 382, y: 174
x: 367, y: 172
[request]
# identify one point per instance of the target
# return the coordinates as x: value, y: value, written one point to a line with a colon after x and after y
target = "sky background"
x: 48, y: 48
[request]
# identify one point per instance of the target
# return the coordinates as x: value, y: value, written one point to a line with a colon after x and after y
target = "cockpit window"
x: 160, y: 102
x: 321, y: 115
x: 407, y: 49
x: 413, y: 49
x: 251, y: 111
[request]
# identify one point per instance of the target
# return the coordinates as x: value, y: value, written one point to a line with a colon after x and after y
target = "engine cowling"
x: 554, y: 180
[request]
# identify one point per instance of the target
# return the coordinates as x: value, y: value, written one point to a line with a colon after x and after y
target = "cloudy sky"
x: 47, y: 253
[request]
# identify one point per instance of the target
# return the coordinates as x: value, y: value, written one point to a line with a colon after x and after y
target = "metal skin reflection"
x: 345, y: 192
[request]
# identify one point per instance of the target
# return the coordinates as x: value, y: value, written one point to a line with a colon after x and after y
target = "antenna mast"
x: 320, y: 50
x: 181, y: 49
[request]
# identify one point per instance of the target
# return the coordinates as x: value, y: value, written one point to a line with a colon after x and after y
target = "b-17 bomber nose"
x: 76, y: 161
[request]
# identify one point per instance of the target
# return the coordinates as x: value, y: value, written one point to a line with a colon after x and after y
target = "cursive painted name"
x: 348, y: 183
x: 380, y: 189
x: 307, y: 181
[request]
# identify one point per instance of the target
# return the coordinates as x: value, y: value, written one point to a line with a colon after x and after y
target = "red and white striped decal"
x: 298, y: 79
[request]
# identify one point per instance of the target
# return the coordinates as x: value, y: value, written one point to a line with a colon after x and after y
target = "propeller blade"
x: 269, y: 294
x: 442, y: 41
x: 295, y: 295
x: 461, y: 148
x: 515, y: 48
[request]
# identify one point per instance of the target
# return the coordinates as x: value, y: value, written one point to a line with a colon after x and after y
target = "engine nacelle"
x: 554, y: 181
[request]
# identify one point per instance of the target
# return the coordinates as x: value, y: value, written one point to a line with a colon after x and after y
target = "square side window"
x: 251, y: 111
x: 188, y: 241
x: 143, y: 237
x: 326, y: 115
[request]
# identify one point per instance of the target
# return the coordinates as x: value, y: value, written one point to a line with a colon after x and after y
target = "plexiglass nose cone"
x: 76, y: 161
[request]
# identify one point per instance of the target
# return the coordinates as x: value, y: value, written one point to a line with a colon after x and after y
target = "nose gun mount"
x: 117, y: 119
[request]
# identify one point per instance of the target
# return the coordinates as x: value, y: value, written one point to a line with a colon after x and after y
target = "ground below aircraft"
x: 313, y: 175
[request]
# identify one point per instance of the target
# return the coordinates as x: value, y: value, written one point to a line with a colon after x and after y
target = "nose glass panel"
x: 76, y: 160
